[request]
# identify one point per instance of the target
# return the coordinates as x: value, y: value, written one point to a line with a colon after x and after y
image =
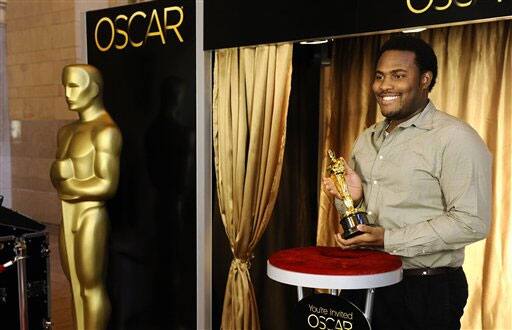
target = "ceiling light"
x: 314, y: 42
x: 414, y: 30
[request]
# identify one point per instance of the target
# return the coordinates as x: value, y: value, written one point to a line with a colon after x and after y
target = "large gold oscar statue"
x: 85, y: 174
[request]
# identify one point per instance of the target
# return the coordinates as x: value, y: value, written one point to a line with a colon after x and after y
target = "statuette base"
x: 349, y: 223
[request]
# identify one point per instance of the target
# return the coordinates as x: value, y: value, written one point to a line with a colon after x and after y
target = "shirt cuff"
x: 401, y: 242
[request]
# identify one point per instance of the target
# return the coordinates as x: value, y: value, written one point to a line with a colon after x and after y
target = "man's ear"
x: 426, y: 80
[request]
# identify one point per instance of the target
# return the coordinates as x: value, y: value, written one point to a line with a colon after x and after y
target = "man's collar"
x: 422, y: 120
x: 378, y: 127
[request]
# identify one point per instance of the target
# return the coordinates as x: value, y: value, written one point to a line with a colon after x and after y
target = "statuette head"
x: 82, y: 84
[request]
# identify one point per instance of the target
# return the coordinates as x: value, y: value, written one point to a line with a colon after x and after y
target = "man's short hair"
x: 425, y: 58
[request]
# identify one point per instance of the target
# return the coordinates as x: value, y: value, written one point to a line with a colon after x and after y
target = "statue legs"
x: 83, y: 248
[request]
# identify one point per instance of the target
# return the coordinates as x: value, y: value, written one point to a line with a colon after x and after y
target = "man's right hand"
x: 330, y: 188
x: 354, y: 185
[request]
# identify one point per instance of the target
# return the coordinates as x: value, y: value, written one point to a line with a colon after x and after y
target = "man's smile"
x: 388, y: 98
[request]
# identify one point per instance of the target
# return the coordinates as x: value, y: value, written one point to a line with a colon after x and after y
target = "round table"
x: 335, y: 269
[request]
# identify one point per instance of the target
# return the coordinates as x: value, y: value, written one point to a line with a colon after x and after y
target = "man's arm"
x: 103, y: 184
x: 465, y: 181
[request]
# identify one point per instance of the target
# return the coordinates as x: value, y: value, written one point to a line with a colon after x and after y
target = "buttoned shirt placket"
x: 382, y: 141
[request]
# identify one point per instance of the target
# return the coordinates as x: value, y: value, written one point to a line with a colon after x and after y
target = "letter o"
x: 109, y: 21
x: 419, y: 11
x: 317, y: 321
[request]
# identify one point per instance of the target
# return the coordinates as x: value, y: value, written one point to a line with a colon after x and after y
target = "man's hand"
x: 330, y: 188
x: 354, y: 185
x: 373, y: 236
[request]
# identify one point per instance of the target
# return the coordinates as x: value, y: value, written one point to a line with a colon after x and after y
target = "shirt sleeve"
x: 465, y: 182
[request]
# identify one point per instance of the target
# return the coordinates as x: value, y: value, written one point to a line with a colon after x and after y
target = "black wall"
x: 232, y: 23
x: 150, y: 93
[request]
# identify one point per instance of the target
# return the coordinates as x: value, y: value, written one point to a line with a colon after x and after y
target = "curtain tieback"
x: 239, y: 263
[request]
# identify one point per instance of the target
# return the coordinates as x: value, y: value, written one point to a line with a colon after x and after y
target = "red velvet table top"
x: 335, y: 261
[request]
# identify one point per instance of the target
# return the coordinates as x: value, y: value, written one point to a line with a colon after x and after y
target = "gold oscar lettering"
x: 448, y: 4
x: 122, y: 32
x: 137, y: 13
x: 416, y: 8
x: 175, y: 26
x: 419, y: 11
x: 154, y: 18
x: 123, y: 26
x: 111, y: 25
x: 465, y: 4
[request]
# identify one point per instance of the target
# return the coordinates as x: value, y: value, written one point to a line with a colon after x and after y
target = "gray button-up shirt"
x: 428, y: 183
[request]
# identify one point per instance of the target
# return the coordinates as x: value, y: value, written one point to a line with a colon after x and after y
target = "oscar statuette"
x: 353, y: 216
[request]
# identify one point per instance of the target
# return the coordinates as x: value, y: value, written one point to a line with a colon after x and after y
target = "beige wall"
x: 42, y: 37
x: 40, y: 40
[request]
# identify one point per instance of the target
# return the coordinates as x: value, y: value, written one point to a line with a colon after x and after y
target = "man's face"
x: 397, y: 85
x: 78, y: 88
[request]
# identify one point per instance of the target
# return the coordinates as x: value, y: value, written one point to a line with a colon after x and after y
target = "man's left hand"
x: 372, y: 236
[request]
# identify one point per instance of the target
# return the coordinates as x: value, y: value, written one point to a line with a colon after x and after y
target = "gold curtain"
x: 474, y: 84
x: 250, y: 104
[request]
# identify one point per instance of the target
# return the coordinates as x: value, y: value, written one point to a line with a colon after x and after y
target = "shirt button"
x: 381, y: 157
x: 370, y: 212
x: 374, y: 181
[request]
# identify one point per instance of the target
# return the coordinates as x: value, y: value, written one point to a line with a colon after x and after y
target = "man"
x: 86, y: 174
x: 425, y: 179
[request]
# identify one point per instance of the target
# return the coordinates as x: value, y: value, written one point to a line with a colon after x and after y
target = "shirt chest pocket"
x: 411, y: 170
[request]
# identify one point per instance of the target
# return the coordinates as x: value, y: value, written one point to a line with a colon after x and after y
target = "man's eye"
x: 379, y: 77
x: 398, y: 76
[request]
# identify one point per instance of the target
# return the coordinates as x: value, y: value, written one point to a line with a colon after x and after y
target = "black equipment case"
x: 24, y: 273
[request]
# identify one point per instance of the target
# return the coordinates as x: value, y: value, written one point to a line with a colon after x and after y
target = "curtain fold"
x: 250, y: 104
x: 474, y: 84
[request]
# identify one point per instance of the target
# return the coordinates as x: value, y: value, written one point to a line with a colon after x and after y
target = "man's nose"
x: 67, y: 91
x: 385, y: 84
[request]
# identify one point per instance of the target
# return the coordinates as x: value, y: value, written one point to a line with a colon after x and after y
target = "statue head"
x: 83, y: 84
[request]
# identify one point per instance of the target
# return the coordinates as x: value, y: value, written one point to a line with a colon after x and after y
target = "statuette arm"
x: 103, y: 183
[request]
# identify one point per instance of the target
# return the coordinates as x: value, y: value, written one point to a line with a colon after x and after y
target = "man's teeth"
x: 389, y: 98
